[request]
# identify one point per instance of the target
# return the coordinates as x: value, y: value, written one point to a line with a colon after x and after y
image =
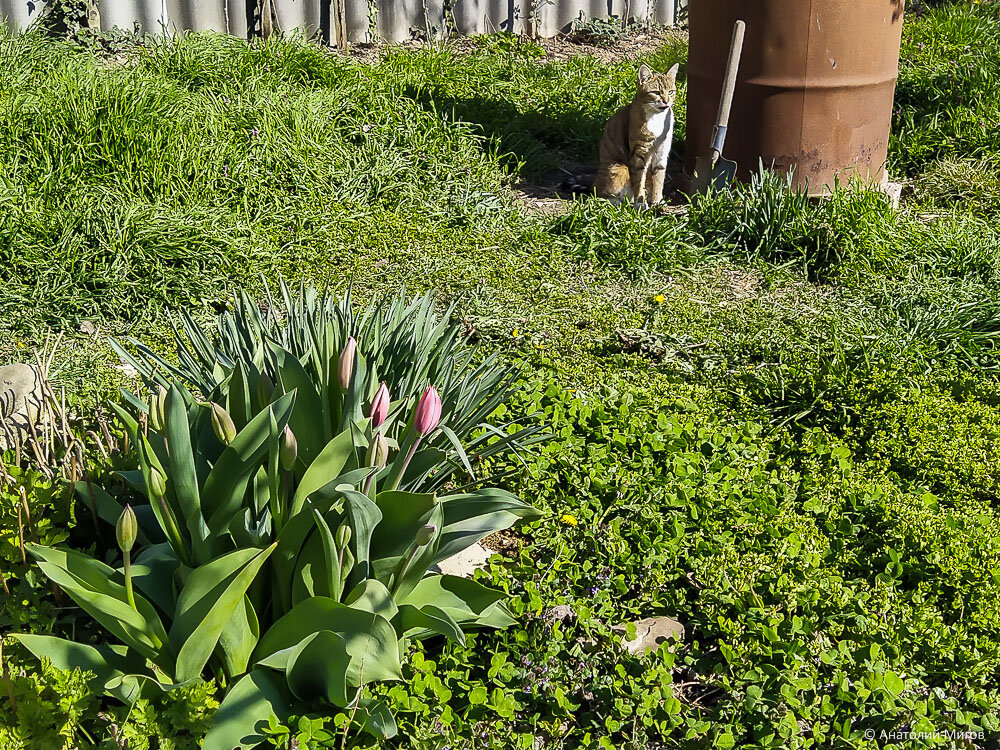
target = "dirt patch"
x: 562, y: 47
x: 547, y: 195
x: 507, y: 543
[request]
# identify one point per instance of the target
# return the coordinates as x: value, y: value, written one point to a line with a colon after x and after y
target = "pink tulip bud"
x: 347, y: 362
x: 428, y: 412
x: 380, y: 406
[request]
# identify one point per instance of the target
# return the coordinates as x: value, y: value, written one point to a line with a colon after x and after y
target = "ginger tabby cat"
x: 636, y: 142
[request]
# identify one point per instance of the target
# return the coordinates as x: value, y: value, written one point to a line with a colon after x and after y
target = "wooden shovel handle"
x: 728, y: 89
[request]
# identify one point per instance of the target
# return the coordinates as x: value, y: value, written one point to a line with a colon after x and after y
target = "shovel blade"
x: 706, y: 176
x: 723, y: 174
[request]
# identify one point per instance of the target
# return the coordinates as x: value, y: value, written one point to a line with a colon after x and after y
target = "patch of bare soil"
x: 561, y: 47
x: 507, y: 543
x: 547, y: 195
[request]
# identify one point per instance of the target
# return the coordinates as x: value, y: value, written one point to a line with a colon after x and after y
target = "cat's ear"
x: 672, y: 73
x: 644, y: 73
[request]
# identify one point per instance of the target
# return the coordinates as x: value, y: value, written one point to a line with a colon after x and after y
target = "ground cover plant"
x: 772, y: 419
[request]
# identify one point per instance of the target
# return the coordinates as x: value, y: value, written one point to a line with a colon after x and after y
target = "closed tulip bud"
x: 265, y: 389
x: 222, y: 423
x: 157, y: 409
x: 428, y: 413
x: 425, y: 534
x: 157, y: 482
x: 289, y: 449
x: 380, y: 406
x: 127, y: 529
x: 343, y: 536
x: 347, y: 356
x: 378, y: 451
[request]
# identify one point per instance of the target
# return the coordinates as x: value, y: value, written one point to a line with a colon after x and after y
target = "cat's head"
x: 656, y: 91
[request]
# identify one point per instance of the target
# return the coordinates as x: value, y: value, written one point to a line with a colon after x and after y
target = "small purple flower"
x: 225, y: 170
x: 254, y: 133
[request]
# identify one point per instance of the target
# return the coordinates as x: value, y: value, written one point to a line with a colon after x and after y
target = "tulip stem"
x: 128, y: 580
x: 397, y: 477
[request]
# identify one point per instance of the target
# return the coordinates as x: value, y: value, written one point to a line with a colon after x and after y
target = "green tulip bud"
x: 425, y: 534
x: 222, y: 423
x: 378, y: 452
x: 289, y: 449
x: 343, y: 536
x: 265, y: 389
x: 157, y: 482
x: 127, y: 529
x: 157, y: 409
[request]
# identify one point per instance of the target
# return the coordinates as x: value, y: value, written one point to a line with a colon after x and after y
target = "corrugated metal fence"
x: 390, y: 20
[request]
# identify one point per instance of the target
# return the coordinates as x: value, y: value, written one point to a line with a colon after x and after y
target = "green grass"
x: 774, y: 418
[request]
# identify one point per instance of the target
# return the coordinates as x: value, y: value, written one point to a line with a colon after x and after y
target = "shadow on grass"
x: 533, y: 143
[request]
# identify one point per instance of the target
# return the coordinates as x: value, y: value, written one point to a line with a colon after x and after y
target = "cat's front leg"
x: 654, y: 188
x: 637, y: 169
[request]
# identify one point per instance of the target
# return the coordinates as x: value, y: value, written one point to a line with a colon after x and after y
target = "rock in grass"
x: 21, y: 399
x: 650, y: 633
x: 464, y: 563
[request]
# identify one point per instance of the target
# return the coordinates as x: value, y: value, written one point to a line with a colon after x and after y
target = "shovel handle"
x: 728, y: 89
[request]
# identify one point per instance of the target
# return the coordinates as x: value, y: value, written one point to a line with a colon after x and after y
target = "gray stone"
x: 650, y: 633
x: 559, y: 613
x: 465, y: 563
x: 21, y: 400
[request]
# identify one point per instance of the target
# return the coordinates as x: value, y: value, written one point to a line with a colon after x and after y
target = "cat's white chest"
x: 661, y: 127
x: 657, y: 123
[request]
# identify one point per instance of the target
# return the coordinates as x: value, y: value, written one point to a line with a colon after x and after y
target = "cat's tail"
x: 577, y: 183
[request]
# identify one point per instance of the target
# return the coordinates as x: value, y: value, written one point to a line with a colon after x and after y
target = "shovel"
x: 712, y: 171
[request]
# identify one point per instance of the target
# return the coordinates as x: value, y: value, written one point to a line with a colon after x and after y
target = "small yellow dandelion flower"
x: 516, y: 332
x: 659, y: 299
x: 567, y: 519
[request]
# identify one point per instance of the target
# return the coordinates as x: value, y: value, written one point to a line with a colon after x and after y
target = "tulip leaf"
x: 251, y: 702
x: 496, y: 616
x: 332, y: 579
x: 370, y: 639
x: 470, y: 517
x: 291, y: 541
x: 317, y: 669
x: 375, y: 718
x: 372, y: 596
x: 211, y: 594
x: 92, y: 585
x: 101, y: 661
x: 459, y: 450
x: 462, y: 598
x: 420, y: 622
x: 364, y: 516
x: 153, y: 574
x: 402, y: 514
x: 338, y: 455
x: 108, y: 509
x: 239, y: 638
x: 238, y: 396
x: 310, y: 420
x: 311, y: 576
x: 227, y: 483
x: 414, y: 566
x: 183, y: 475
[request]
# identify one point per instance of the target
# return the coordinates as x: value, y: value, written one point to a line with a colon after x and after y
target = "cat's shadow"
x: 543, y: 148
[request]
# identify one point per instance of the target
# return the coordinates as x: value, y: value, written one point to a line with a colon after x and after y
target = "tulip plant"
x: 288, y: 537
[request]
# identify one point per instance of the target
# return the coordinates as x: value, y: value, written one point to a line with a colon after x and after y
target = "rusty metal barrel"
x: 814, y: 91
